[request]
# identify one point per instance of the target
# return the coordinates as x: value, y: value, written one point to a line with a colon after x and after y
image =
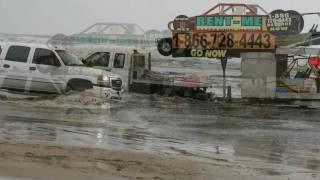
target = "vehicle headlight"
x: 103, y: 80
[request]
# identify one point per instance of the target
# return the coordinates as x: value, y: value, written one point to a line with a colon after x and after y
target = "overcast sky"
x: 49, y: 17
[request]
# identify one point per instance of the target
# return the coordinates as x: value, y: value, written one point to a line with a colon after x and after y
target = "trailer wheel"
x: 165, y: 46
x: 166, y: 91
x: 169, y: 91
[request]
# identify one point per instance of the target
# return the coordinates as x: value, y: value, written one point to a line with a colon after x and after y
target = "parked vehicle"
x: 134, y: 66
x: 38, y: 68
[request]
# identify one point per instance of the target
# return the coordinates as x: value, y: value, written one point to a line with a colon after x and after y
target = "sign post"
x: 224, y: 65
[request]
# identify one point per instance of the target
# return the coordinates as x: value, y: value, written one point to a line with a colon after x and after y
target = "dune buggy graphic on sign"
x: 224, y: 30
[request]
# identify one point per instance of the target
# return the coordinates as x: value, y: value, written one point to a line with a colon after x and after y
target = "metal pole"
x: 224, y: 65
x: 224, y: 84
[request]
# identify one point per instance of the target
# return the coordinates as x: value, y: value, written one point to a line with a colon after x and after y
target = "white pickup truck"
x: 134, y: 66
x: 38, y: 68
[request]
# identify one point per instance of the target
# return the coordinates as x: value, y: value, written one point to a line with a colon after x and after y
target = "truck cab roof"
x: 35, y: 45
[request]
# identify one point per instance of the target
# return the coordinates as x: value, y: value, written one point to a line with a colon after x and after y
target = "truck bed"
x: 172, y: 83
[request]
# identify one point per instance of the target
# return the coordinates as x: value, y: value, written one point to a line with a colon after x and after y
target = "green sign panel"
x: 236, y: 23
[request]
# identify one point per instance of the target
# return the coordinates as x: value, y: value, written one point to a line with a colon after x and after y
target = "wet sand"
x: 50, y: 161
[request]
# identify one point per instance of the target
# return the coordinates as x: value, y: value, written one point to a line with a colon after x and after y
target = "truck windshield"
x: 69, y: 59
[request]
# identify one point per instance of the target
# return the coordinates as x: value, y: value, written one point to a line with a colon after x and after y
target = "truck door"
x: 46, y: 72
x: 14, y: 68
x: 141, y: 66
x: 121, y: 66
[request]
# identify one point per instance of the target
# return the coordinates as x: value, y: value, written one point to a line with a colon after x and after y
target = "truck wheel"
x: 187, y: 93
x: 78, y: 85
x: 202, y: 96
x: 165, y: 46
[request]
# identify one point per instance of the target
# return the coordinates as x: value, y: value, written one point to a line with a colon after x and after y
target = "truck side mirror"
x: 56, y: 62
x: 83, y: 60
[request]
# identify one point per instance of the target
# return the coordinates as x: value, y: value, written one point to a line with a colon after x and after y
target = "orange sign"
x: 224, y: 40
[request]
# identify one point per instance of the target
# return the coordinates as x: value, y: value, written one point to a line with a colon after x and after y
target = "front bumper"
x: 108, y: 93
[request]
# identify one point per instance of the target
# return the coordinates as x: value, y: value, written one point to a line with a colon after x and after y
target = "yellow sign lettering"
x: 194, y: 53
x: 209, y: 53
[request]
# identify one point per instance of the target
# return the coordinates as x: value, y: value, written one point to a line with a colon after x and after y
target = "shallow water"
x: 283, y: 134
x: 268, y: 133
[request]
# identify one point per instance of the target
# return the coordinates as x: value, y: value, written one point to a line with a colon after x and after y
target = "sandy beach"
x: 44, y: 161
